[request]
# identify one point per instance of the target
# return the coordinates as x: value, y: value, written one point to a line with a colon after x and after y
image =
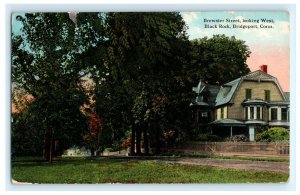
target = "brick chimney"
x: 264, y: 68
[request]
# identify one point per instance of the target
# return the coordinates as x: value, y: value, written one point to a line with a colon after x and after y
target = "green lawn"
x: 104, y: 170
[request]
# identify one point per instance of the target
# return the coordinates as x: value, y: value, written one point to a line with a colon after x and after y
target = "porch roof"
x: 255, y: 122
x: 195, y: 103
x: 279, y: 103
x: 227, y: 122
x: 254, y: 102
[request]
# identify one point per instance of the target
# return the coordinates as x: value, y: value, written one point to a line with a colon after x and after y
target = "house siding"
x: 236, y: 111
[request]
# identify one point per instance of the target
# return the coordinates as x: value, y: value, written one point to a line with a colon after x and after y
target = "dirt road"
x: 281, y: 167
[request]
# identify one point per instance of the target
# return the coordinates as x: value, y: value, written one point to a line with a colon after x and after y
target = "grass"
x: 107, y: 170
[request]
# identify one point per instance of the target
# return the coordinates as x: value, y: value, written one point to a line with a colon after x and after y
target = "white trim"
x: 279, y: 113
x: 251, y: 133
x: 248, y: 110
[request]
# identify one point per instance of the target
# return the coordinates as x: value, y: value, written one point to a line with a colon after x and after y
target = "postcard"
x: 150, y: 97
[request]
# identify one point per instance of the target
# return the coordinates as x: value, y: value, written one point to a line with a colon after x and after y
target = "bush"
x: 273, y: 134
x: 238, y: 138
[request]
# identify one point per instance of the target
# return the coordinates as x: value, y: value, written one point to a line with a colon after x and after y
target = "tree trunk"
x: 132, y: 145
x: 51, y: 146
x: 46, y: 150
x: 146, y: 141
x: 51, y: 149
x: 92, y: 152
x: 138, y: 140
x: 157, y: 136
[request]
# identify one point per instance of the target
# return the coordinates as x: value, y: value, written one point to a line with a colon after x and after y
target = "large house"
x: 241, y: 106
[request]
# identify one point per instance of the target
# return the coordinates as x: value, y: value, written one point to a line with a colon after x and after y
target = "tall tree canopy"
x: 142, y: 71
x: 219, y: 59
x: 45, y: 65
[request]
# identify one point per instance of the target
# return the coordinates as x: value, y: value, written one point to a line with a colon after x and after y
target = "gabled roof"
x: 234, y: 85
x: 259, y: 75
x: 200, y: 87
x: 223, y: 95
x: 211, y: 90
x: 226, y: 92
x: 287, y: 95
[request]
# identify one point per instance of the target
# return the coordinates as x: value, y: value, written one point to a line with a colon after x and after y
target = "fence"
x: 242, y: 148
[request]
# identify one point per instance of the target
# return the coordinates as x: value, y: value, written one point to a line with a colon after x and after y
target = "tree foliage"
x: 219, y: 59
x: 93, y: 137
x: 45, y: 65
x: 147, y: 54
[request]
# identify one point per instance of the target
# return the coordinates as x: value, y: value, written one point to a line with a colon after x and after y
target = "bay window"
x: 274, y: 114
x: 254, y: 112
x: 284, y: 114
x: 279, y: 113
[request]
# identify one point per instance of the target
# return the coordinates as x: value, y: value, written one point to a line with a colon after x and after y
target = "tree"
x: 219, y: 59
x: 45, y: 63
x: 147, y: 55
x: 136, y: 60
x: 93, y: 136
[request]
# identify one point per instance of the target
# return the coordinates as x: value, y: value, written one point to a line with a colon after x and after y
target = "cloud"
x: 189, y: 17
x: 197, y: 32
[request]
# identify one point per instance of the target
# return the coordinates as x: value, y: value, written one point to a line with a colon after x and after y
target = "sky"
x: 269, y: 46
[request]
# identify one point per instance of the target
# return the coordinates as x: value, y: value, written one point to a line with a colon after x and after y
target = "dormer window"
x: 248, y: 93
x: 267, y: 95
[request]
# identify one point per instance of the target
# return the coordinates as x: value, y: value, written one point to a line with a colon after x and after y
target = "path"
x: 281, y: 167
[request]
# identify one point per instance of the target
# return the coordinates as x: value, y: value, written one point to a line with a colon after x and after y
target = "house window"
x: 267, y: 95
x: 273, y: 113
x: 284, y: 114
x: 248, y: 93
x: 203, y: 116
x: 222, y: 113
x: 251, y: 113
x: 254, y: 113
x: 258, y: 114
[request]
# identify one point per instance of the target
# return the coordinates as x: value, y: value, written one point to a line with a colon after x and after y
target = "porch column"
x: 230, y: 131
x: 251, y: 133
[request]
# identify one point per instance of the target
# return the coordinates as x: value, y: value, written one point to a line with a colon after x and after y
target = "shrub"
x: 273, y: 134
x: 238, y: 138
